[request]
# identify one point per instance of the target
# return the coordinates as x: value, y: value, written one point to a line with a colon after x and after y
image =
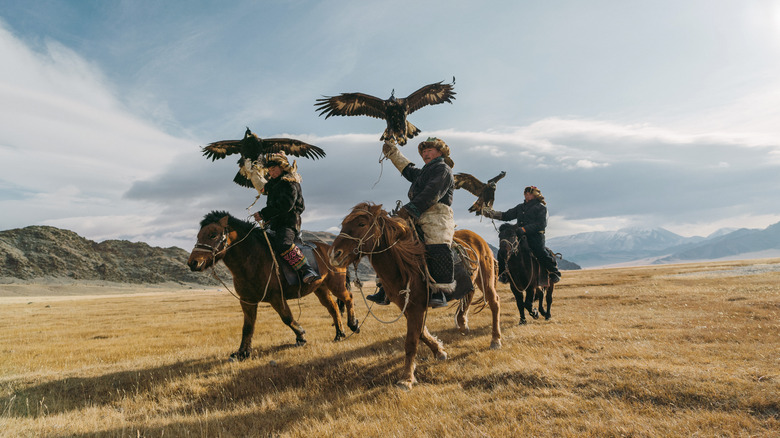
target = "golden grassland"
x: 676, y: 350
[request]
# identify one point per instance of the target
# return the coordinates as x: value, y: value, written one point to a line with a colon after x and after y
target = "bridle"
x: 220, y: 246
x: 358, y: 250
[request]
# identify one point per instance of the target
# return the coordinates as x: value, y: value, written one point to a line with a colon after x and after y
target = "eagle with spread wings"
x: 252, y: 148
x: 393, y: 110
x: 485, y: 192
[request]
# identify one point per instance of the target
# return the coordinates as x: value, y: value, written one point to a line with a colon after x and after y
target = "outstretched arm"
x: 393, y: 154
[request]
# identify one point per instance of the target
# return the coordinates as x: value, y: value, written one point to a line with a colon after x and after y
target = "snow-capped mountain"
x: 657, y: 245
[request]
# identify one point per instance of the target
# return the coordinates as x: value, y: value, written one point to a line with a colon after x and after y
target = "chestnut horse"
x: 525, y: 274
x: 244, y: 249
x: 398, y: 257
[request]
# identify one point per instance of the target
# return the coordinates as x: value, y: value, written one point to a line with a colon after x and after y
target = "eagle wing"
x: 292, y: 147
x: 351, y: 104
x: 431, y: 94
x: 497, y: 178
x: 469, y: 182
x: 221, y: 149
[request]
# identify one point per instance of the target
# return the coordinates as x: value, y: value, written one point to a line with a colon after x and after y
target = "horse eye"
x: 213, y: 236
x: 361, y: 224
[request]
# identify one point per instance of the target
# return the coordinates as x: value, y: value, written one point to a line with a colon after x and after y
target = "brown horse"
x: 398, y: 257
x: 525, y: 274
x: 244, y: 249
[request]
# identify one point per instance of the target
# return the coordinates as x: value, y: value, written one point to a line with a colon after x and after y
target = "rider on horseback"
x: 429, y: 207
x: 531, y: 217
x: 282, y: 213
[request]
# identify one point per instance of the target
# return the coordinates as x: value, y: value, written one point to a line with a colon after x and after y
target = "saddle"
x: 307, y: 248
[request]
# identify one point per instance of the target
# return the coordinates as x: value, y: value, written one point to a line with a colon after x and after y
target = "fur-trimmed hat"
x: 438, y: 144
x: 277, y: 159
x: 290, y: 172
x: 536, y: 193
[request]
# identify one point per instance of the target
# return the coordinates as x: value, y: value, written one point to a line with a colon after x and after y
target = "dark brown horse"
x: 525, y: 274
x: 244, y: 249
x: 398, y: 257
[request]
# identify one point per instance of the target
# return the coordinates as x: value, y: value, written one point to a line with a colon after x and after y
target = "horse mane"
x: 407, y: 250
x: 239, y: 225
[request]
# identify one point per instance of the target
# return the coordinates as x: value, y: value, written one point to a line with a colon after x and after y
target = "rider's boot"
x: 295, y: 258
x: 441, y: 269
x: 380, y: 297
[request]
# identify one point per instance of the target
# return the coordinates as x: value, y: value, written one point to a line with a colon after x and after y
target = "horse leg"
x: 530, y: 295
x: 548, y: 297
x: 436, y: 346
x: 414, y: 328
x: 462, y: 313
x: 344, y: 296
x: 519, y: 301
x: 326, y: 299
x: 281, y: 307
x: 491, y: 297
x: 250, y: 316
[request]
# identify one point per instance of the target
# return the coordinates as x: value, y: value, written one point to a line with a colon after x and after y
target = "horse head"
x: 507, y: 236
x: 368, y: 229
x: 360, y: 234
x: 214, y: 238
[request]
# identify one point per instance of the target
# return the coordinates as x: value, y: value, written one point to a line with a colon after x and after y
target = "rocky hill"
x: 42, y: 252
x: 39, y: 252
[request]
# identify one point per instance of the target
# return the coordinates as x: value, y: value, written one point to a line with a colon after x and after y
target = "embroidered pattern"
x: 294, y: 257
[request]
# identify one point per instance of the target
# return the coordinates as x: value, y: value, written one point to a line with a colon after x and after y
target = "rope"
x: 405, y: 292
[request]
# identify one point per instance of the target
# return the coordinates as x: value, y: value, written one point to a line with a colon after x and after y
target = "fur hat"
x: 277, y: 159
x: 438, y: 144
x: 290, y: 172
x: 533, y: 190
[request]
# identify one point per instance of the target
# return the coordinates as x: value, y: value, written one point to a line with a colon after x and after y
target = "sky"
x: 624, y: 113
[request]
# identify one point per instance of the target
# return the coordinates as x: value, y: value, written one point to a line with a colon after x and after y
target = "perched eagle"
x: 252, y: 148
x: 392, y: 110
x: 485, y: 192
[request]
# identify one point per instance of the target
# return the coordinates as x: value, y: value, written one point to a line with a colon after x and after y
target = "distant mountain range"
x: 643, y: 246
x: 41, y: 253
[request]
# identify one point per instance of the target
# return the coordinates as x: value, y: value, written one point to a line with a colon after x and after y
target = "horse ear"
x: 224, y: 222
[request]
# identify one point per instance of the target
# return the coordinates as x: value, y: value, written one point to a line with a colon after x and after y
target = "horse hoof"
x: 239, y: 356
x: 535, y: 314
x: 495, y: 345
x: 354, y: 326
x: 406, y: 385
x: 300, y: 342
x: 339, y: 336
x: 523, y: 322
x: 547, y: 317
x: 442, y: 356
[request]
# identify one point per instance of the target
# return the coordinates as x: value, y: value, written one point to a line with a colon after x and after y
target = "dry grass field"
x: 683, y: 350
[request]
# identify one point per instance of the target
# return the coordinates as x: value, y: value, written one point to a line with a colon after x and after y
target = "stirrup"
x: 437, y: 300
